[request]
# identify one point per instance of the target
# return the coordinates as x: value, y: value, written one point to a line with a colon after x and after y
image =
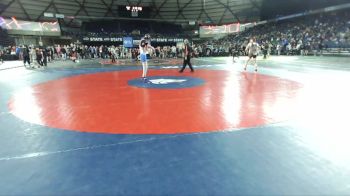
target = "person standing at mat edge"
x: 1, y: 56
x: 26, y: 58
x: 145, y: 44
x: 187, y: 56
x: 252, y: 49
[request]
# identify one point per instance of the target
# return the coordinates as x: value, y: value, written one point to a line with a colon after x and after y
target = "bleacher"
x: 157, y: 29
x: 5, y: 39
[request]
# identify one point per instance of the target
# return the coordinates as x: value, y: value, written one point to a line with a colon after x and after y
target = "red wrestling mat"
x: 105, y: 103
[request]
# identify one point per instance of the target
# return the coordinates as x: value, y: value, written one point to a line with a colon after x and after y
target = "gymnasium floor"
x: 92, y: 128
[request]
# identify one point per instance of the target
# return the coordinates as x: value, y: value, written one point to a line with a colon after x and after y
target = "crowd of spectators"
x: 112, y: 52
x: 40, y: 56
x: 5, y: 39
x: 128, y: 28
x: 309, y: 35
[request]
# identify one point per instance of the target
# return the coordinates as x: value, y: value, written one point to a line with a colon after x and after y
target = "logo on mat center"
x: 167, y: 82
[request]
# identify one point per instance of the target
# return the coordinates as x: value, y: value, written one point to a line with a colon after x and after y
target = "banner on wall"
x: 213, y: 31
x: 21, y: 27
x: 102, y: 39
x: 129, y: 39
x: 128, y: 42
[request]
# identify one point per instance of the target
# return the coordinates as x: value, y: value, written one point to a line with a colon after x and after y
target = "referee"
x: 187, y: 57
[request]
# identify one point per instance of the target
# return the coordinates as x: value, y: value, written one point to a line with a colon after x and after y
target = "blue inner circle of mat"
x: 167, y: 82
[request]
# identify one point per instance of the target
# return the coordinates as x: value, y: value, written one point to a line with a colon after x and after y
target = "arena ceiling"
x: 178, y: 11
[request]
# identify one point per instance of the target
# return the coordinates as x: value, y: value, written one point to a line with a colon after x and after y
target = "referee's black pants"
x: 26, y: 60
x: 187, y: 61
